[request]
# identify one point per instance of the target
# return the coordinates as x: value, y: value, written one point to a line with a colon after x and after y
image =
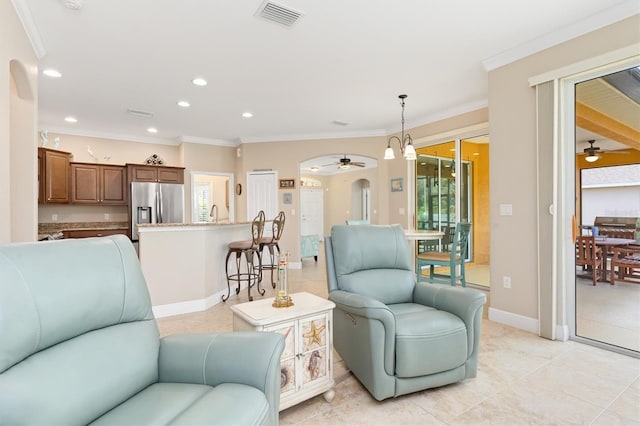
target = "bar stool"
x: 271, y: 242
x: 250, y: 249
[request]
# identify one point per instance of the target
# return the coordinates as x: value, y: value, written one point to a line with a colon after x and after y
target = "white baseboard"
x: 514, y: 320
x: 562, y: 333
x: 199, y: 305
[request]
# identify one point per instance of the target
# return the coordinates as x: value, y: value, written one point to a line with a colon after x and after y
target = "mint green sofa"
x: 397, y: 336
x: 79, y: 345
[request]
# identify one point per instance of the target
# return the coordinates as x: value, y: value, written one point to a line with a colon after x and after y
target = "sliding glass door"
x: 452, y: 185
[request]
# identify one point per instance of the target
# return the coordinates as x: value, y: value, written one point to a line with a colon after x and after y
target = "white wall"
x: 621, y: 201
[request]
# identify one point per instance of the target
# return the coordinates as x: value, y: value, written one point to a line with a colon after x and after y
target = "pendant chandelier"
x: 405, y: 141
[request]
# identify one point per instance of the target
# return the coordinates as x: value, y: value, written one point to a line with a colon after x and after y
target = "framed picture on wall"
x: 397, y: 185
x: 287, y: 183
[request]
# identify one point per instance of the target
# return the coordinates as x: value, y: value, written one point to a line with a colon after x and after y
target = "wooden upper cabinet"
x: 98, y: 184
x: 163, y: 174
x: 53, y: 175
x: 114, y: 180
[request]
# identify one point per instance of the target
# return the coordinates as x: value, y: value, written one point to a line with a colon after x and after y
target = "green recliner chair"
x: 79, y: 345
x: 397, y: 336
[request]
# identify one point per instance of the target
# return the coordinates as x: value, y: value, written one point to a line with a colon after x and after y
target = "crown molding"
x: 114, y: 136
x: 441, y: 115
x: 207, y: 141
x: 594, y: 22
x: 316, y: 136
x: 26, y: 18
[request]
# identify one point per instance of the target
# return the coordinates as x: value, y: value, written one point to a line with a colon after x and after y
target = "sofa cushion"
x: 56, y: 302
x: 427, y: 340
x: 190, y: 404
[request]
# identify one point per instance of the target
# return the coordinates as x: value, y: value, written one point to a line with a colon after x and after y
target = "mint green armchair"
x: 79, y: 345
x: 397, y: 336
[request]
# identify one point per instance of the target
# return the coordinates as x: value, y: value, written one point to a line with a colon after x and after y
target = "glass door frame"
x: 564, y: 263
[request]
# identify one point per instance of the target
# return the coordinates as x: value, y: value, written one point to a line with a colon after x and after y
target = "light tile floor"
x: 522, y: 379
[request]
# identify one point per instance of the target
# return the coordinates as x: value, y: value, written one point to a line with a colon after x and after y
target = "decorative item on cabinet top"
x: 154, y: 160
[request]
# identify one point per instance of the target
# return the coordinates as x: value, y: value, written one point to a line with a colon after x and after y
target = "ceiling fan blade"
x: 357, y: 164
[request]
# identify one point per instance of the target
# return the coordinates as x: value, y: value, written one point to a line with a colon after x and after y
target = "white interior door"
x: 262, y: 194
x: 312, y: 212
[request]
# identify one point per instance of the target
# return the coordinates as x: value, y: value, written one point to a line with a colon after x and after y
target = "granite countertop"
x: 161, y: 225
x: 46, y: 230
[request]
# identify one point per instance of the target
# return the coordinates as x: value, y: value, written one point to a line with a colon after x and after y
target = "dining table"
x: 421, y: 235
x: 607, y: 242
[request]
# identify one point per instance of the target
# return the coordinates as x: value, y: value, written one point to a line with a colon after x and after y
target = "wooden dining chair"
x: 454, y: 259
x: 589, y: 256
x: 625, y: 265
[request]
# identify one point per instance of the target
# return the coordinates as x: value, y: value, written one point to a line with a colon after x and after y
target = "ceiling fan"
x: 345, y: 163
x: 593, y: 152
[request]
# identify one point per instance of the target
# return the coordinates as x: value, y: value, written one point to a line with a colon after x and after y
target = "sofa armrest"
x: 465, y: 303
x: 251, y: 358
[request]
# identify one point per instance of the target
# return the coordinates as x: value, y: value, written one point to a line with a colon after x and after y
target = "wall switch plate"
x: 293, y: 212
x: 54, y: 217
x: 506, y: 209
x: 401, y: 211
x: 106, y: 216
x: 506, y: 282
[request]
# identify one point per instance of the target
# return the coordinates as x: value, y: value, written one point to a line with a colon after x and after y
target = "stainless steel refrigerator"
x: 155, y: 203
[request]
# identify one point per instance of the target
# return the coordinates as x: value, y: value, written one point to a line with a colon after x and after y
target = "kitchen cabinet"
x: 53, y: 176
x: 98, y: 184
x: 306, y: 364
x: 163, y: 174
x: 88, y: 233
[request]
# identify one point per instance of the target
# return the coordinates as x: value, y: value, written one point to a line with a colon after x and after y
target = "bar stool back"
x: 250, y: 250
x: 271, y: 242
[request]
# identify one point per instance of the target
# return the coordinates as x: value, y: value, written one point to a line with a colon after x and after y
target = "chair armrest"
x: 251, y: 358
x: 358, y: 305
x: 465, y: 303
x: 363, y: 306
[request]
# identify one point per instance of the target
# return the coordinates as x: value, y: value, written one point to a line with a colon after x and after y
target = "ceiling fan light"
x: 344, y: 166
x: 389, y: 155
x: 591, y: 158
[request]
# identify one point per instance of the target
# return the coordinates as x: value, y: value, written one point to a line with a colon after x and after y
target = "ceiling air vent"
x: 140, y: 113
x: 277, y: 13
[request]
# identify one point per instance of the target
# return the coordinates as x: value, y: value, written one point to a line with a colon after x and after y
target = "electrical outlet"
x: 106, y: 216
x: 506, y: 282
x: 54, y: 217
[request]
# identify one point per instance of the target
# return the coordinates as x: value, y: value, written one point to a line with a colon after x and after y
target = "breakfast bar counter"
x: 183, y: 264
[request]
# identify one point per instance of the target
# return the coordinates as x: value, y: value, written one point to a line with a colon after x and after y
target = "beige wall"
x: 285, y: 158
x: 18, y: 134
x: 205, y: 158
x: 513, y: 155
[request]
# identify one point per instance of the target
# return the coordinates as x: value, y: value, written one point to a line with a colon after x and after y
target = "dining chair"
x: 590, y: 256
x: 454, y: 259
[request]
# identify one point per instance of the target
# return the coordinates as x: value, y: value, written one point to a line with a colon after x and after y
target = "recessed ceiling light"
x: 247, y: 114
x: 476, y: 153
x: 184, y: 104
x: 199, y: 81
x: 71, y: 119
x: 152, y: 130
x: 52, y: 73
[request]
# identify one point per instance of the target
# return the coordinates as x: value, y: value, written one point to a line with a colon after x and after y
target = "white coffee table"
x: 306, y: 364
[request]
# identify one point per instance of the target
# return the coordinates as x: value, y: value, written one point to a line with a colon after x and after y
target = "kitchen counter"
x: 54, y: 229
x: 184, y: 264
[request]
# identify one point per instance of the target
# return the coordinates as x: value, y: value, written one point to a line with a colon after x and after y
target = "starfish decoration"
x: 314, y: 334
